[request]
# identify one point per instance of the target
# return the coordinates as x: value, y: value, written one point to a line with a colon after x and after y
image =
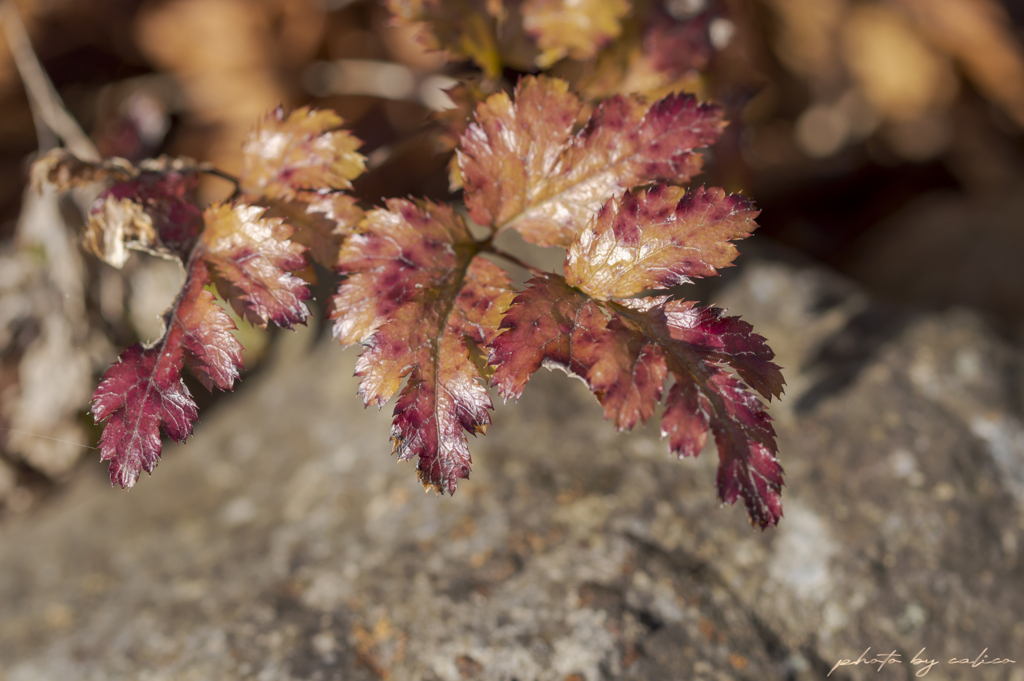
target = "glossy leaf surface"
x: 143, y: 394
x: 524, y: 167
x: 624, y: 352
x: 252, y: 260
x: 657, y: 240
x: 302, y: 150
x: 422, y: 303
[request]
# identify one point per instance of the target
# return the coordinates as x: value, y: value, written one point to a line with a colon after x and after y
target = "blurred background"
x: 882, y: 138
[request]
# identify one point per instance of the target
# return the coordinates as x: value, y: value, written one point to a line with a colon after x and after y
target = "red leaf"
x: 624, y: 352
x: 420, y: 301
x: 747, y: 465
x: 143, y: 393
x: 545, y: 322
x: 138, y: 396
x: 205, y: 330
x: 252, y: 261
x: 523, y: 167
x: 727, y: 339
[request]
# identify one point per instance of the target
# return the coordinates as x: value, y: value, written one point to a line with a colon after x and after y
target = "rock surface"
x: 284, y: 543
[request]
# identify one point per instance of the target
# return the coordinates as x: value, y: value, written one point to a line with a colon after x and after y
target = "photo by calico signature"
x: 921, y: 659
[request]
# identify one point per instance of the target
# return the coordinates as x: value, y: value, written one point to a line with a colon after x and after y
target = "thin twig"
x: 42, y: 96
x: 221, y: 174
x: 490, y: 248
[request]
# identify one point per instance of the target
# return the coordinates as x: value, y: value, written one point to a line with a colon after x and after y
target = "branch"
x: 42, y: 96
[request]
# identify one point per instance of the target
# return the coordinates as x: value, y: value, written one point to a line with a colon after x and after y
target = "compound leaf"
x: 626, y: 348
x: 420, y: 301
x: 143, y: 393
x: 523, y: 167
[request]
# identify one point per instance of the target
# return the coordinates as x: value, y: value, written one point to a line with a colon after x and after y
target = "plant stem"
x: 46, y: 104
x: 491, y: 248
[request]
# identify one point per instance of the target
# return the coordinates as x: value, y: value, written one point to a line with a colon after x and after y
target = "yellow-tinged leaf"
x: 575, y: 29
x: 658, y: 239
x: 252, y: 260
x: 303, y: 150
x: 523, y: 166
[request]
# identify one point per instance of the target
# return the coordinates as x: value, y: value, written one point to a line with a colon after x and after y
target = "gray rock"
x: 285, y: 543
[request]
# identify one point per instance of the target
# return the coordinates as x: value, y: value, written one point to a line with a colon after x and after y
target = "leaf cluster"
x: 245, y: 249
x: 438, y: 320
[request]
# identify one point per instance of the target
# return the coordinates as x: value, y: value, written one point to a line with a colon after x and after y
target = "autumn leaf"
x: 321, y: 222
x: 303, y: 150
x: 625, y: 348
x: 296, y: 164
x: 150, y: 207
x: 574, y: 29
x: 624, y: 353
x: 155, y: 212
x: 252, y: 260
x: 420, y: 301
x: 657, y: 240
x: 249, y: 257
x: 143, y: 393
x: 63, y: 170
x: 523, y: 166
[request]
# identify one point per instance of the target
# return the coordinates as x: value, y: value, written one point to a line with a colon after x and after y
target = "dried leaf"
x: 62, y: 169
x: 304, y: 150
x: 117, y: 225
x: 150, y: 207
x: 155, y: 212
x: 658, y: 239
x: 523, y: 167
x: 415, y: 296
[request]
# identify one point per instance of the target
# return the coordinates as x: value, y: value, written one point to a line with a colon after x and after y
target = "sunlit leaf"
x: 416, y: 295
x: 658, y: 239
x: 524, y: 167
x: 303, y: 150
x: 252, y: 260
